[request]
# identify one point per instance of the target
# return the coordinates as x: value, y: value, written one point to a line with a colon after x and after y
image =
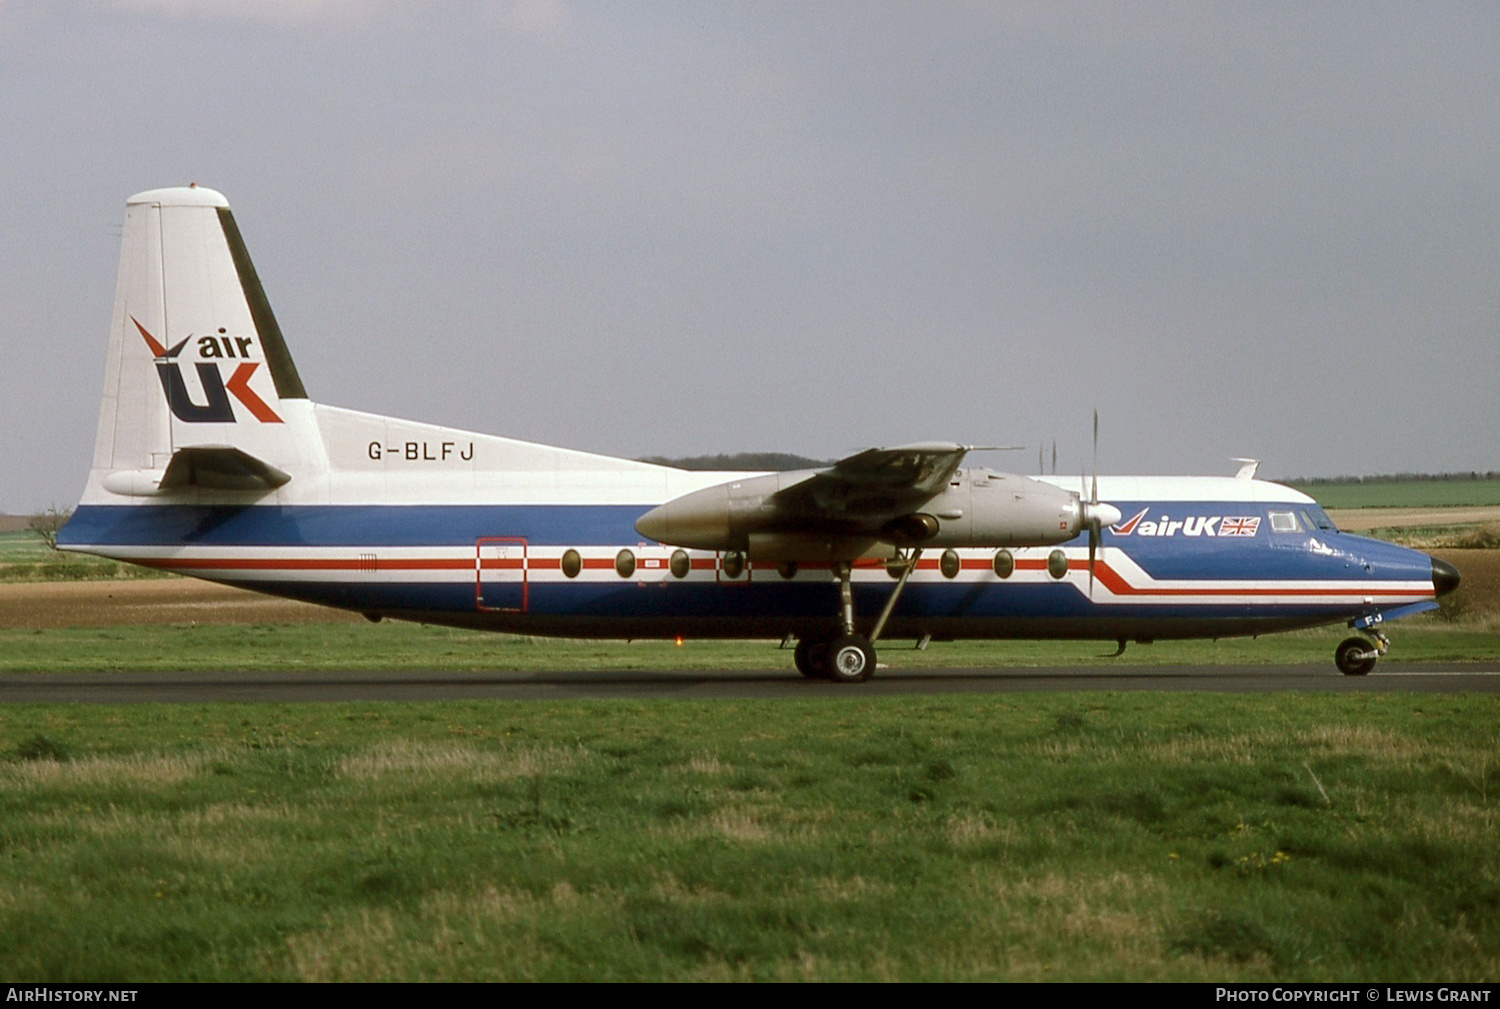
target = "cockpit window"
x: 1317, y: 518
x: 1283, y: 522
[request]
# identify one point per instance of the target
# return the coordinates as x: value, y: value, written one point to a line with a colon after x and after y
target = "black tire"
x: 1350, y: 657
x: 811, y: 658
x: 851, y: 659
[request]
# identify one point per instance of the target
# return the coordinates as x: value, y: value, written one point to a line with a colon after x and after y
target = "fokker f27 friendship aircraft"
x: 212, y: 461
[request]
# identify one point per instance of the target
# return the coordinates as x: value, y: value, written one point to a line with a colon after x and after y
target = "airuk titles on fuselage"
x: 1188, y: 525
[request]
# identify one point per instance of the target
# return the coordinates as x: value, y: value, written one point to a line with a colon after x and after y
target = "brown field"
x: 190, y: 601
x: 1479, y: 593
x: 37, y: 605
x: 1356, y: 520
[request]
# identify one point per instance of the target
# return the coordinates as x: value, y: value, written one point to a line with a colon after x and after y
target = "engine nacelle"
x: 1017, y: 511
x: 720, y: 517
x: 978, y: 508
x: 989, y: 509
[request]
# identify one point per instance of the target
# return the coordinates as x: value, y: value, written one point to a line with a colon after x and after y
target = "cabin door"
x: 500, y: 574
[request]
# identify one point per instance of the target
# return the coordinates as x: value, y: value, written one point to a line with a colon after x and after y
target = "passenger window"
x: 1057, y: 564
x: 1005, y: 564
x: 949, y: 564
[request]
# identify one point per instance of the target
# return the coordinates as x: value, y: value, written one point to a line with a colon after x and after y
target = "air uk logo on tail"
x: 211, y: 349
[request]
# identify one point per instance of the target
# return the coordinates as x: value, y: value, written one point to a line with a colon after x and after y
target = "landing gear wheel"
x: 1354, y: 656
x: 811, y: 658
x: 851, y: 659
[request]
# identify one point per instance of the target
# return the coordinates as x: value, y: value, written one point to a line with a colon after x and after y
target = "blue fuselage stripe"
x: 349, y: 525
x: 1271, y: 556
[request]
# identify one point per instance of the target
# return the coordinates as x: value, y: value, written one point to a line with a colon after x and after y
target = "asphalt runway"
x: 204, y: 688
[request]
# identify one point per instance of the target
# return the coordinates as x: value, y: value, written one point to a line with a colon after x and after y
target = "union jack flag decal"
x: 1242, y: 526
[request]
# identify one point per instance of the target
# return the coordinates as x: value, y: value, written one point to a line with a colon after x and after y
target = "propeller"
x: 1095, y: 515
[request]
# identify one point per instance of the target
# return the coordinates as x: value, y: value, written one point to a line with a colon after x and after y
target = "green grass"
x: 26, y: 557
x: 393, y: 645
x: 1103, y: 837
x: 1404, y: 493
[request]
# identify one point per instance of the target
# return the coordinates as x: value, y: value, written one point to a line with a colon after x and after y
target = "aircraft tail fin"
x: 200, y: 390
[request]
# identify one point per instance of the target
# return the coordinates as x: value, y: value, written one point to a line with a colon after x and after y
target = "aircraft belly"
x: 647, y: 609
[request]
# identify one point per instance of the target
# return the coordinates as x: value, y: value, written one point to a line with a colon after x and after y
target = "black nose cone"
x: 1444, y: 577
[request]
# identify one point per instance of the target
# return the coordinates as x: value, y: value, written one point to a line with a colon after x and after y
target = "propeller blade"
x: 1095, y: 513
x: 1089, y: 519
x: 1093, y: 547
x: 1094, y: 497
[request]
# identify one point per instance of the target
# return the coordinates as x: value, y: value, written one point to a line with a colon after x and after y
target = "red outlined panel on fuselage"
x: 500, y: 574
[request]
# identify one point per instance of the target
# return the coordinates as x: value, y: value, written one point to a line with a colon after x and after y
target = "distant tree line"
x: 777, y: 461
x: 740, y: 461
x: 1315, y: 481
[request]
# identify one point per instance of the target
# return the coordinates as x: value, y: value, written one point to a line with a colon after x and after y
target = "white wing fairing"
x: 211, y: 460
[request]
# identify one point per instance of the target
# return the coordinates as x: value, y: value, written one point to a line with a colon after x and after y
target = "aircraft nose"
x: 1444, y: 577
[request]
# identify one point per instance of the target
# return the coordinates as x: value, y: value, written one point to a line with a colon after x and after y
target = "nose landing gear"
x: 1357, y: 656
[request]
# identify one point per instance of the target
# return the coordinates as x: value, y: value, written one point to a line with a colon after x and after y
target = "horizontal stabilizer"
x: 220, y: 467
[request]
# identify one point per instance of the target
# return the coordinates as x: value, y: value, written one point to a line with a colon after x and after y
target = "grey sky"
x: 1235, y: 229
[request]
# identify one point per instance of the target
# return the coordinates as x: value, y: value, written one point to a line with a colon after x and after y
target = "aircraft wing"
x: 901, y: 495
x: 877, y: 480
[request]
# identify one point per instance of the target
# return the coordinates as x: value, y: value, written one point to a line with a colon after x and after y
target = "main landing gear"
x: 1356, y: 656
x: 848, y: 656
